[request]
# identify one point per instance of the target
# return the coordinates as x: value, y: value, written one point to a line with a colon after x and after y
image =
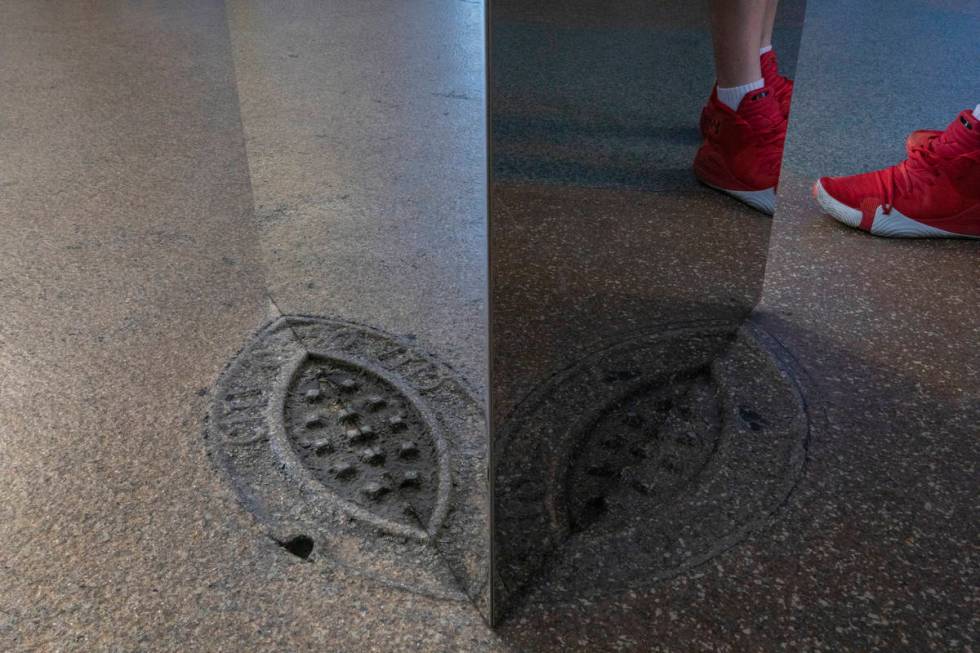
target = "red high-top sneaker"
x: 933, y: 193
x: 782, y: 87
x: 743, y: 150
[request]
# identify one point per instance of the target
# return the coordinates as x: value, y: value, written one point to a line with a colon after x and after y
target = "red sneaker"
x: 933, y: 193
x: 781, y: 86
x: 743, y: 149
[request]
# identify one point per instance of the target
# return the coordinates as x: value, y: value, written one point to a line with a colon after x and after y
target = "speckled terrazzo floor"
x: 875, y: 549
x: 174, y: 175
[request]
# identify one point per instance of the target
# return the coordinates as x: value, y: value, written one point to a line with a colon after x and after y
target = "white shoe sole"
x: 888, y: 225
x: 760, y: 200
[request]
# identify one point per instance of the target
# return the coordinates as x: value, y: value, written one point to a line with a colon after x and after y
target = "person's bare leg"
x: 736, y: 32
x: 768, y: 21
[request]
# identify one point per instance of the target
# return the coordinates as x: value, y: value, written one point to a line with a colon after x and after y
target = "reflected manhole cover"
x: 645, y: 459
x: 354, y: 447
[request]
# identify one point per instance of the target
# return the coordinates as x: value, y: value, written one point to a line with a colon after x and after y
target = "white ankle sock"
x: 976, y: 112
x: 764, y: 50
x: 733, y: 96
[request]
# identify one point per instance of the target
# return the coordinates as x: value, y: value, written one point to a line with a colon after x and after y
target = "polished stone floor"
x: 174, y: 175
x: 873, y: 548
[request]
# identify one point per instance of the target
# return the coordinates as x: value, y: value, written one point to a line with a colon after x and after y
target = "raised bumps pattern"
x: 362, y: 439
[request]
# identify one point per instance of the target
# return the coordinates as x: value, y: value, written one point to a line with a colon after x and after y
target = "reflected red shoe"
x: 934, y: 193
x: 781, y: 86
x: 743, y: 150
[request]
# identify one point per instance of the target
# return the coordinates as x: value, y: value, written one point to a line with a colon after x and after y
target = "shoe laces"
x: 922, y: 167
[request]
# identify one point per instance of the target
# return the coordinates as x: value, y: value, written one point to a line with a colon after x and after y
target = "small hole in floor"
x: 592, y: 511
x: 300, y: 546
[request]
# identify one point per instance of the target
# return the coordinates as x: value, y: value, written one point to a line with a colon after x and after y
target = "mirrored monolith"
x: 637, y: 428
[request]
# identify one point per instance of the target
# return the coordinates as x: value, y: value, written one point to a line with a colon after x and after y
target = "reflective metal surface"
x: 618, y: 288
